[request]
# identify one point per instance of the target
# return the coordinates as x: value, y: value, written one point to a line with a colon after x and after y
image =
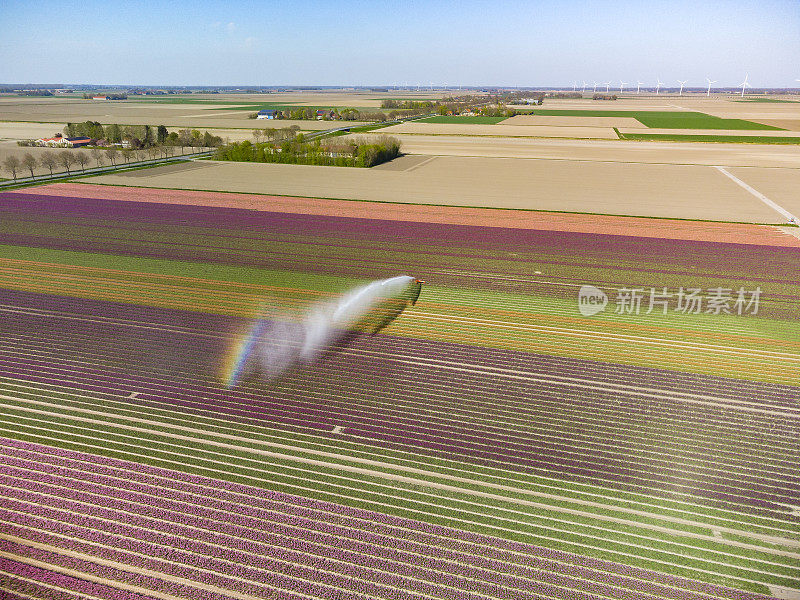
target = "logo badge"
x: 591, y: 300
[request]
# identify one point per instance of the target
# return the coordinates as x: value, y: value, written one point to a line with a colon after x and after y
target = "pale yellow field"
x: 681, y: 191
x: 756, y: 155
x: 501, y: 130
x: 542, y: 120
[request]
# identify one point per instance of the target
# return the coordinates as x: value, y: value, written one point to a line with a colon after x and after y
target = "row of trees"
x: 68, y: 159
x: 336, y: 152
x: 409, y: 104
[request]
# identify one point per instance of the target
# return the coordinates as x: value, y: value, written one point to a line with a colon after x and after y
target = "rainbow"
x: 239, y: 353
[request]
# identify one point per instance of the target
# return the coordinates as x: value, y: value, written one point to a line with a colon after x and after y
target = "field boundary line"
x: 420, y: 164
x: 776, y: 207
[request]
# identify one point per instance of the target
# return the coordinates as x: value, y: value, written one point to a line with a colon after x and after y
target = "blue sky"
x: 369, y: 43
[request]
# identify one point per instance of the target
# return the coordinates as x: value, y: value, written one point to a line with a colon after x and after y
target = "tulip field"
x: 494, y: 442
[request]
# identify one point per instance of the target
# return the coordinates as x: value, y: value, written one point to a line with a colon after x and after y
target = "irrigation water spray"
x: 274, y: 345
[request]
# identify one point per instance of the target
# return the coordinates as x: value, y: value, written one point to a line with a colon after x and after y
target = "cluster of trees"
x: 68, y: 159
x: 498, y: 111
x: 409, y: 104
x: 122, y: 96
x: 332, y: 114
x: 35, y: 93
x: 565, y: 94
x: 604, y: 97
x: 335, y: 152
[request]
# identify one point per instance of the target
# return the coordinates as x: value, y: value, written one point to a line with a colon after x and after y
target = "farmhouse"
x: 100, y: 98
x: 59, y: 141
x: 267, y: 114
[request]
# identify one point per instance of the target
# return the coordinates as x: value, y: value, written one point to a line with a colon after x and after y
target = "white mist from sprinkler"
x: 745, y: 84
x: 708, y: 91
x: 276, y: 344
x: 680, y: 93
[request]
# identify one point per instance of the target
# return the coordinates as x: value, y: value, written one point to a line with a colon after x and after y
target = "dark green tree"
x: 161, y: 134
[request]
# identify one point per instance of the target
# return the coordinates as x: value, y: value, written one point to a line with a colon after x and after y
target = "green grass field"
x: 464, y: 120
x: 773, y: 100
x: 663, y: 119
x: 730, y: 139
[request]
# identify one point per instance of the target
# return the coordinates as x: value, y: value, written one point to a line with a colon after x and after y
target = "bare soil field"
x: 549, y: 221
x: 605, y: 151
x: 541, y: 120
x: 501, y: 130
x: 673, y: 191
x: 26, y: 131
x: 779, y: 185
x: 141, y: 113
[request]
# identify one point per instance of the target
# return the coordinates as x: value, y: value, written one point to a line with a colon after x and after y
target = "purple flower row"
x: 452, y: 442
x: 253, y: 541
x: 240, y: 501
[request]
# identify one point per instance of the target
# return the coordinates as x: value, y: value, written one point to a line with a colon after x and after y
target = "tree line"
x: 69, y: 159
x: 335, y: 152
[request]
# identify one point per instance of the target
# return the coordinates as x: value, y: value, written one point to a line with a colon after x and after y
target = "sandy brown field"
x: 779, y: 185
x: 500, y: 130
x: 677, y: 191
x: 606, y: 151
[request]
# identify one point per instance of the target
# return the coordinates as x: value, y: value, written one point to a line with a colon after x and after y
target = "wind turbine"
x: 574, y: 85
x: 745, y: 84
x: 594, y: 90
x: 638, y: 85
x: 583, y: 89
x: 708, y: 91
x: 607, y: 83
x: 621, y: 85
x: 682, y: 84
x: 658, y: 85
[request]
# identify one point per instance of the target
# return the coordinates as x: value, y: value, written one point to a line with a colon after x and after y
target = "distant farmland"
x: 492, y: 443
x: 664, y: 119
x: 465, y: 120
